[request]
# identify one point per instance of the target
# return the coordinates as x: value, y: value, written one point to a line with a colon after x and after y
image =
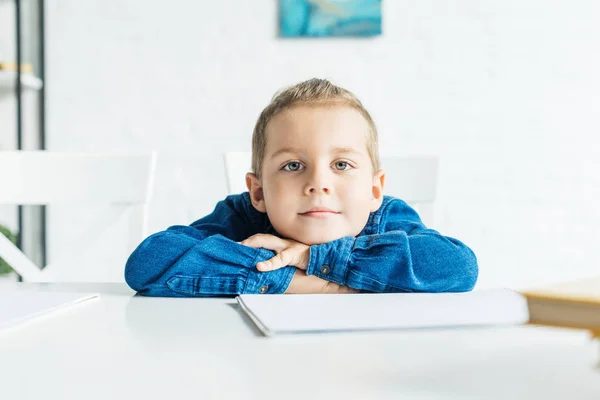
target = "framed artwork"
x: 329, y: 18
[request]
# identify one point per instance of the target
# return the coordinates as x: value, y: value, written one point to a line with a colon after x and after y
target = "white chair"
x: 411, y: 178
x: 121, y: 182
x: 237, y: 165
x: 414, y: 179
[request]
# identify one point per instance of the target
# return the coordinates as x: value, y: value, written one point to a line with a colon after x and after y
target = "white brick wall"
x: 506, y: 92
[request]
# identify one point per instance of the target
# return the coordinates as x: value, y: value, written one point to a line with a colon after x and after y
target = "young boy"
x: 314, y: 219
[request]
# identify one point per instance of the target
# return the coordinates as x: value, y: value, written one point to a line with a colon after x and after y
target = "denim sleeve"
x: 204, y: 259
x: 404, y: 256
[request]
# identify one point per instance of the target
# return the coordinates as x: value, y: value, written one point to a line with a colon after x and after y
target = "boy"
x: 314, y: 219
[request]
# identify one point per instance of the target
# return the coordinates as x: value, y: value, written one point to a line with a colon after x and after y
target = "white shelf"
x: 28, y: 81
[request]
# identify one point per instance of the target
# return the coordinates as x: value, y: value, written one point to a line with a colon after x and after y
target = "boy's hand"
x: 309, y: 284
x: 289, y: 252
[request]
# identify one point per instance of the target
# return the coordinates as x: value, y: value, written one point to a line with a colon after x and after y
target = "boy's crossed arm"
x: 296, y: 254
x: 212, y: 259
x: 186, y: 261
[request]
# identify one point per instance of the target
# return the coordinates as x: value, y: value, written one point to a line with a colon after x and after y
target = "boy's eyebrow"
x: 284, y: 150
x: 337, y: 150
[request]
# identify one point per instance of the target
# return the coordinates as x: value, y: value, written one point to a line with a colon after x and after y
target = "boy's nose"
x: 318, y: 183
x: 313, y: 190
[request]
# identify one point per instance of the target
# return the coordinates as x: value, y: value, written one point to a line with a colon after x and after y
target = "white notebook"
x: 17, y: 307
x: 312, y: 313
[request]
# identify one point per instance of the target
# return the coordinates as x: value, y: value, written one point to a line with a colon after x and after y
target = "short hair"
x: 311, y: 92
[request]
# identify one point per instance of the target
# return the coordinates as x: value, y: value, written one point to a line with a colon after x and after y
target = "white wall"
x: 506, y: 92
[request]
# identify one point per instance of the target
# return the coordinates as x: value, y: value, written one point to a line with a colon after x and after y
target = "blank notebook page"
x: 17, y: 307
x: 280, y: 314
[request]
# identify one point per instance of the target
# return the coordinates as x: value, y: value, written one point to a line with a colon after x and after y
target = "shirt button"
x: 325, y: 269
x: 263, y: 289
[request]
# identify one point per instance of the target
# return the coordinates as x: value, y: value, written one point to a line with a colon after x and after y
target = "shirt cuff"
x: 272, y: 282
x: 330, y: 261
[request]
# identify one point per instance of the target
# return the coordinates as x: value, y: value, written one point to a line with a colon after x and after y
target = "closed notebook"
x: 287, y: 314
x: 18, y: 307
x: 571, y: 304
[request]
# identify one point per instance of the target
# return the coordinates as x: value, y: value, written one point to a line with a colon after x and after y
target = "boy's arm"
x: 309, y: 284
x: 404, y: 256
x: 295, y: 254
x: 204, y: 259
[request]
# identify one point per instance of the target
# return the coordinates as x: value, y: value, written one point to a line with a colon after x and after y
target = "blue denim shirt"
x: 395, y: 252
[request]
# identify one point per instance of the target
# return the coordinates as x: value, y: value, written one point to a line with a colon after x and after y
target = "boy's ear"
x: 256, y: 192
x: 378, y: 183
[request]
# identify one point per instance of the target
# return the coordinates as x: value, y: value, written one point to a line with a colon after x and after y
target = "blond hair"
x: 311, y: 92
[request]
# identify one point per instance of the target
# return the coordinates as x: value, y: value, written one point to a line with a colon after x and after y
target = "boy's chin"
x: 315, y: 239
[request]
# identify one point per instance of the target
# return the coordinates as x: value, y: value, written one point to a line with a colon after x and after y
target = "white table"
x: 122, y: 347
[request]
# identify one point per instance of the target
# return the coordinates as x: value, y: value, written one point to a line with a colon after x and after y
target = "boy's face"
x: 318, y: 183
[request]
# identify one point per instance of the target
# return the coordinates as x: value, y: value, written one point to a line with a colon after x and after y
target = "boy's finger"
x: 265, y: 241
x: 264, y: 266
x: 279, y: 261
x: 252, y: 241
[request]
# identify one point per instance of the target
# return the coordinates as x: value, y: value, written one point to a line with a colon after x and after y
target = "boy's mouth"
x: 319, y: 212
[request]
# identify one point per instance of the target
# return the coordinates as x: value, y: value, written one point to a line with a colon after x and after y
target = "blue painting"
x: 322, y: 18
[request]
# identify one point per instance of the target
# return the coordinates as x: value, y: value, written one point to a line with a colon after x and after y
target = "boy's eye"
x: 341, y: 165
x: 293, y: 166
